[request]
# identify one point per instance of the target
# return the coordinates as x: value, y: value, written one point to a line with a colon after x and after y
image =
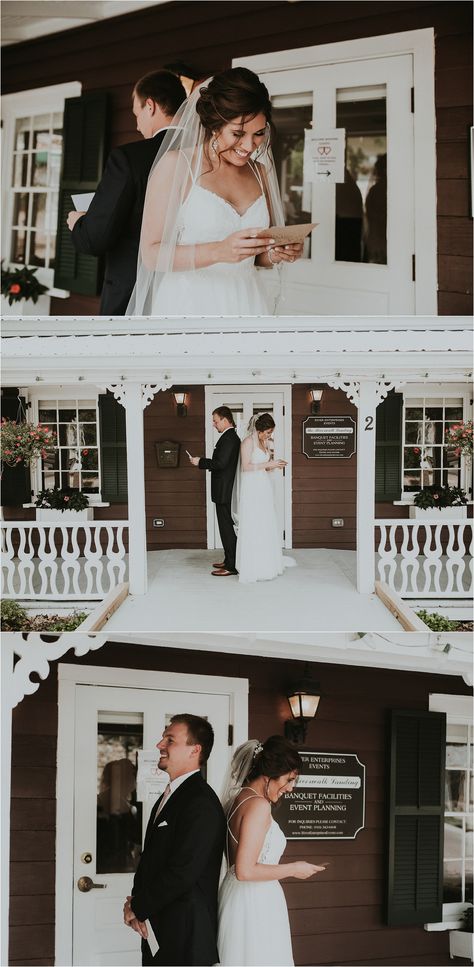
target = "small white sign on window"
x: 323, y: 159
x: 151, y: 781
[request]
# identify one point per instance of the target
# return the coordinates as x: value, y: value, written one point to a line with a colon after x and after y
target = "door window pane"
x: 361, y: 202
x: 425, y: 425
x: 291, y: 115
x: 119, y: 814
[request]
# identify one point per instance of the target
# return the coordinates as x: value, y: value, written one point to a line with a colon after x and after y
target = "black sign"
x: 332, y: 437
x: 328, y: 801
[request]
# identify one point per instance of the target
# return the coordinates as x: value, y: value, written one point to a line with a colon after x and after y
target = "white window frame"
x: 73, y: 393
x: 41, y: 100
x: 435, y: 391
x: 421, y: 45
x: 459, y: 711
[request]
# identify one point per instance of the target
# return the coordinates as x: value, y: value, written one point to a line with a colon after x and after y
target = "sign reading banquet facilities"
x: 329, y: 436
x: 328, y: 801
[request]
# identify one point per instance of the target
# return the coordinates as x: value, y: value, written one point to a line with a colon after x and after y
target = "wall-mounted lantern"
x: 316, y: 397
x: 303, y: 699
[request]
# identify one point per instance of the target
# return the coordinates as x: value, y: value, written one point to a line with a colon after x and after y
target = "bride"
x: 254, y: 927
x: 212, y: 189
x: 259, y: 555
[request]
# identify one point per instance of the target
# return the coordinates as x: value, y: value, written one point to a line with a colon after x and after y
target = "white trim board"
x: 71, y: 675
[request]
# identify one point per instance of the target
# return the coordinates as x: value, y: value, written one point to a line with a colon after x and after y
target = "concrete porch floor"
x: 317, y: 595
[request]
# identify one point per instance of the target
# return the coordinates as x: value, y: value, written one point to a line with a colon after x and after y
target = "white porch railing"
x: 76, y: 562
x: 425, y: 559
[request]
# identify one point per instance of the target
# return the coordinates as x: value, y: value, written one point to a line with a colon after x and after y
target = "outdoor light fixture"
x: 180, y: 400
x: 316, y: 397
x: 303, y: 700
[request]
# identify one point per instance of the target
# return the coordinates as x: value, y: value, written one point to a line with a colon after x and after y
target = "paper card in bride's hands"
x: 288, y: 234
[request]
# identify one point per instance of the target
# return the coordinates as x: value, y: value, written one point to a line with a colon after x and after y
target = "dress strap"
x: 255, y: 169
x: 255, y: 795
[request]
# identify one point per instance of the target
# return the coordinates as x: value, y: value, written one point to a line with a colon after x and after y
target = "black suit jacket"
x: 177, y: 879
x: 112, y: 225
x: 223, y: 465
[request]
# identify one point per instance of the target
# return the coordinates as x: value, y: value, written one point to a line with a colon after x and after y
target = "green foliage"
x: 25, y: 442
x: 437, y: 622
x: 440, y: 497
x: 62, y: 498
x: 68, y: 623
x: 18, y: 284
x: 13, y: 616
x: 467, y: 919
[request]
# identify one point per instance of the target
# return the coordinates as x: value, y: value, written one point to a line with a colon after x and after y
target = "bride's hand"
x: 276, y: 464
x: 303, y: 870
x: 242, y: 245
x: 286, y: 253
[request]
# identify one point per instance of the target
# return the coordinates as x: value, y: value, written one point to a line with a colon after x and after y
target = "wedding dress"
x: 254, y: 928
x: 225, y: 288
x: 259, y: 555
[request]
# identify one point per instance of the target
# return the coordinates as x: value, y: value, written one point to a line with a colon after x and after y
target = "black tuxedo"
x: 223, y: 466
x: 175, y: 886
x: 112, y: 225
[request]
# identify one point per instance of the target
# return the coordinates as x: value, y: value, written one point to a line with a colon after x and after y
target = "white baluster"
x: 71, y: 568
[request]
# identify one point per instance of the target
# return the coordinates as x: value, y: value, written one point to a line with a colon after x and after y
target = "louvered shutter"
x: 85, y: 128
x: 16, y: 486
x: 388, y: 448
x: 416, y: 817
x: 113, y: 449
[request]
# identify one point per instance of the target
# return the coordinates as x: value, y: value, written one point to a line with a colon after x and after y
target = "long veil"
x: 238, y: 771
x: 235, y: 502
x: 178, y: 165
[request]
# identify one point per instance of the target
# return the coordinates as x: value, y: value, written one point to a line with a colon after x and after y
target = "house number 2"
x: 369, y: 423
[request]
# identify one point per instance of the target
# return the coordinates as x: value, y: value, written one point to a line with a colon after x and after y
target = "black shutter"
x: 85, y: 128
x: 113, y: 449
x: 416, y: 817
x: 16, y: 484
x: 388, y: 448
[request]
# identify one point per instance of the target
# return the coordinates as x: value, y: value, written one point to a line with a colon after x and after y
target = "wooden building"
x: 351, y: 914
x: 395, y: 75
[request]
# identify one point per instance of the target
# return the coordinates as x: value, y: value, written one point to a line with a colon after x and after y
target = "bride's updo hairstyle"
x: 264, y: 422
x: 235, y: 93
x: 276, y: 757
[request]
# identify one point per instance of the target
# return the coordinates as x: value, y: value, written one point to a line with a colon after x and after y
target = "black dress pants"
x: 228, y: 536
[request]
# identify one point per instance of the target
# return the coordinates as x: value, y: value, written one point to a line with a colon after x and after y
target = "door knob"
x: 84, y: 884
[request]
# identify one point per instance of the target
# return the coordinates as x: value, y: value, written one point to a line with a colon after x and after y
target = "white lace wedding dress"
x: 259, y: 555
x: 254, y: 928
x: 223, y: 289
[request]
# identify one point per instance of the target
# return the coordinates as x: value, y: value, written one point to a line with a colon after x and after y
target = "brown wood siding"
x: 176, y: 495
x: 123, y: 49
x: 335, y: 919
x: 322, y: 489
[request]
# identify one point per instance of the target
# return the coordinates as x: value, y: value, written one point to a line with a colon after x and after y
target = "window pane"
x: 39, y: 169
x: 89, y: 459
x: 49, y: 479
x: 87, y: 413
x: 453, y: 838
x: 22, y: 134
x: 90, y: 483
x: 454, y: 413
x: 412, y: 481
x: 47, y: 416
x: 54, y: 170
x: 414, y: 413
x: 20, y: 170
x: 290, y: 121
x: 67, y: 434
x: 67, y: 414
x: 452, y: 891
x: 455, y: 791
x: 119, y: 815
x: 19, y: 246
x: 361, y: 202
x: 412, y: 457
x: 20, y: 209
x: 456, y: 747
x: 38, y: 252
x: 87, y: 434
x: 414, y: 433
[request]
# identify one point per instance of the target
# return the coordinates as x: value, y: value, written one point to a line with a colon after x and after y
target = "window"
x: 426, y: 460
x: 458, y: 807
x: 75, y: 462
x: 32, y: 155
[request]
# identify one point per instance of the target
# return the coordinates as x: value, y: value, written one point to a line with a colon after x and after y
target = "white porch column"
x: 367, y: 406
x: 137, y: 569
x: 6, y: 696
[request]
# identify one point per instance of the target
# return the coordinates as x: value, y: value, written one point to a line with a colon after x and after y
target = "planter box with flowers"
x: 63, y: 505
x: 461, y: 941
x: 19, y: 288
x: 439, y: 503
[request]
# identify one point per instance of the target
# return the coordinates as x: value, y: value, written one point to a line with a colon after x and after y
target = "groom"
x: 112, y: 225
x: 223, y: 466
x: 175, y: 886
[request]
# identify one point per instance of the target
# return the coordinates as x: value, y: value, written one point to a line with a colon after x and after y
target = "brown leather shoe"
x: 219, y: 565
x: 223, y: 573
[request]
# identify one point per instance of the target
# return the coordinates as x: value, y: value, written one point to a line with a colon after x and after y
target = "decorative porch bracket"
x: 35, y: 655
x: 135, y: 397
x: 366, y: 396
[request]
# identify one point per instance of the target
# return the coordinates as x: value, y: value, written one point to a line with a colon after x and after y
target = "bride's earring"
x: 214, y: 145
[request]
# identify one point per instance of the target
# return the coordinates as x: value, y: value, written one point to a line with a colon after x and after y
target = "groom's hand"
x: 194, y: 461
x: 132, y: 921
x: 72, y: 218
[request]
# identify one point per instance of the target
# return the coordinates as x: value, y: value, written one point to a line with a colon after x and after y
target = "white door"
x: 111, y: 813
x: 361, y: 257
x: 246, y: 402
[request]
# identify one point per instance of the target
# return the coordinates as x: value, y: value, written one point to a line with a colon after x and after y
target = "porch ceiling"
x: 200, y: 350
x: 28, y: 19
x: 439, y: 654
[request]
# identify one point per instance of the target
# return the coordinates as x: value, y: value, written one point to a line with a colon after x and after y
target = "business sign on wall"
x: 331, y: 437
x: 328, y: 801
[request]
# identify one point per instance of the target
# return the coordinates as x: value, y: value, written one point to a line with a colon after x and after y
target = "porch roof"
x: 236, y: 349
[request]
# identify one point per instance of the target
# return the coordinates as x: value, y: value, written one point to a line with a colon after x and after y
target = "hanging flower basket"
x: 19, y: 284
x: 25, y: 442
x: 458, y: 438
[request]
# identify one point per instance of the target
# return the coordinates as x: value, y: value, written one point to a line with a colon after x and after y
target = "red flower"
x: 84, y: 453
x: 416, y: 450
x: 15, y: 288
x: 66, y: 499
x: 435, y: 496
